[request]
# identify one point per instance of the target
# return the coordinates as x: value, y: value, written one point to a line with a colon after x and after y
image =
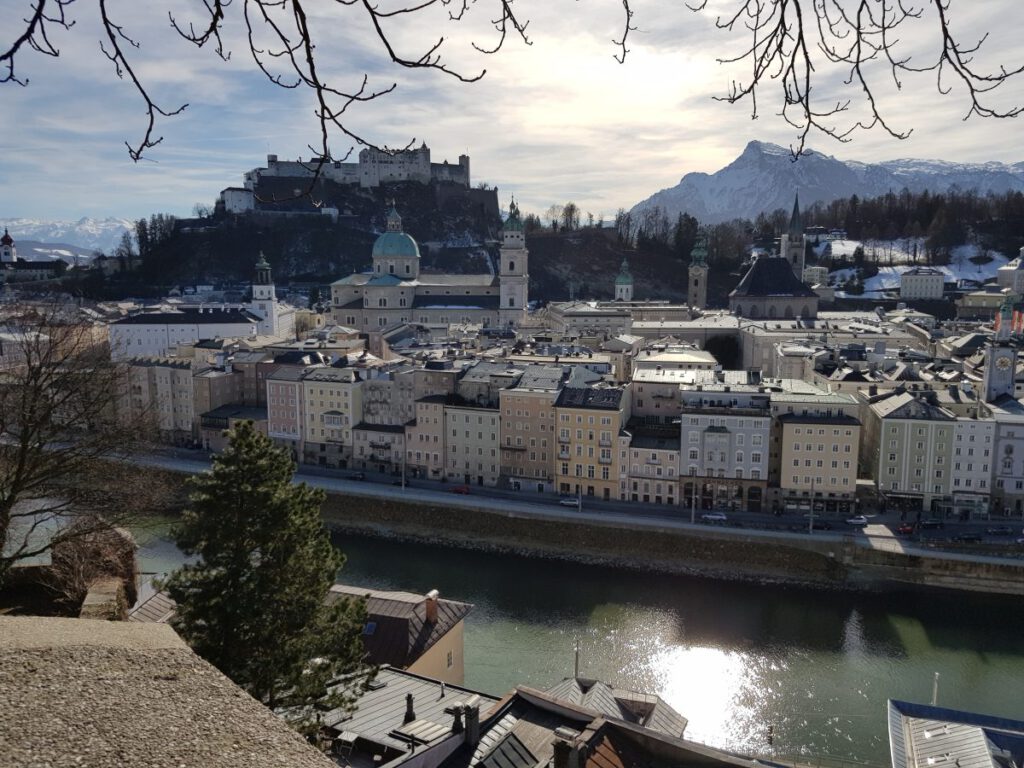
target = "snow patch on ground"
x: 901, y: 252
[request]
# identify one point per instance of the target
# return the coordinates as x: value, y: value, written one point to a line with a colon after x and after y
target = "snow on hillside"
x: 900, y: 252
x: 87, y: 234
x: 764, y: 178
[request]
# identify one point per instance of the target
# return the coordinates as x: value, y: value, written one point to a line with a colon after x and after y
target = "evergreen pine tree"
x: 254, y: 602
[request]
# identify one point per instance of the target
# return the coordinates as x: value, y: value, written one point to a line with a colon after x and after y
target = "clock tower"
x: 1001, y: 357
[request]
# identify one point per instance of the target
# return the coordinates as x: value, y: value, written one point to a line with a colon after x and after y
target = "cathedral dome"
x: 396, y: 244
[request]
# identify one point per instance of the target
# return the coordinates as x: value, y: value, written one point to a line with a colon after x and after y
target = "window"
x: 451, y: 659
x: 370, y: 628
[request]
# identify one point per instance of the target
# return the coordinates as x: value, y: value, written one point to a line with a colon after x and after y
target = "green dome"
x: 624, y: 278
x: 396, y: 244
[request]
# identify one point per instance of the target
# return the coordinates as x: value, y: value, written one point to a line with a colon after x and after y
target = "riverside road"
x: 975, y: 540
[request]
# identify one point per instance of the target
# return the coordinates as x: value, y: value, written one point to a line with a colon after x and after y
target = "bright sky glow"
x: 559, y: 120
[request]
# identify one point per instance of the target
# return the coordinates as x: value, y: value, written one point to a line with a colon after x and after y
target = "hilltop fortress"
x: 374, y: 167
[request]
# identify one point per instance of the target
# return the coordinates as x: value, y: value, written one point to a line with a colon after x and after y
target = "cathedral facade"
x: 394, y: 291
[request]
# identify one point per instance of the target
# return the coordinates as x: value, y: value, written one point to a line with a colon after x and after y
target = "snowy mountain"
x: 764, y: 178
x: 87, y: 234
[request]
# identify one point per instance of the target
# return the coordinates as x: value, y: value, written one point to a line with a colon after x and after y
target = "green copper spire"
x: 699, y: 254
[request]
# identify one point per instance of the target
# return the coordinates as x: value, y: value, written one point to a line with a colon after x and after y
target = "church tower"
x: 1001, y: 356
x: 275, y: 320
x: 624, y: 283
x: 513, y: 275
x: 792, y: 245
x: 8, y: 253
x: 697, y: 292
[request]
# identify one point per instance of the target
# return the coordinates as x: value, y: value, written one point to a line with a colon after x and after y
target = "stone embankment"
x: 825, y: 560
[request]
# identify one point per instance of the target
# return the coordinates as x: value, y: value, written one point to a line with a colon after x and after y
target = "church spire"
x: 796, y: 221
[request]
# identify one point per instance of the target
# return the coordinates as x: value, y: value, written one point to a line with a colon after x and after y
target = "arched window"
x: 511, y: 266
x: 771, y: 311
x: 788, y: 314
x: 382, y: 302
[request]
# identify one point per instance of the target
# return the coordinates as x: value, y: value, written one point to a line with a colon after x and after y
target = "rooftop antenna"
x: 935, y: 690
x: 576, y: 662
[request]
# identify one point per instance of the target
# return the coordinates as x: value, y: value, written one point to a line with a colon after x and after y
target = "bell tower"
x: 513, y: 272
x: 624, y: 283
x: 697, y: 290
x: 8, y: 253
x: 1000, y: 373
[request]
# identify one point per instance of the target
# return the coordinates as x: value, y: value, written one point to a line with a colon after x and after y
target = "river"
x: 733, y: 657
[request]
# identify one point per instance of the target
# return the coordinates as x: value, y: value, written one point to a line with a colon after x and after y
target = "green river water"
x: 734, y: 658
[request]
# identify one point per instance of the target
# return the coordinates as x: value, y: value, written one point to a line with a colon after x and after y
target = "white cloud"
x: 554, y: 121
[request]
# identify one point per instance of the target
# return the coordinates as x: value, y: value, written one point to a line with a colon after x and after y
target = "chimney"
x: 472, y: 713
x: 431, y: 605
x: 410, y: 713
x: 567, y: 748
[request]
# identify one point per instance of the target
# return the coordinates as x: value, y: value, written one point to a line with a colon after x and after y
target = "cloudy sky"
x: 555, y: 121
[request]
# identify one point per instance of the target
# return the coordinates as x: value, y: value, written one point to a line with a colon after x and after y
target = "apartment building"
x: 527, y: 428
x: 724, y: 442
x: 160, y: 390
x: 378, y: 447
x: 922, y: 283
x: 285, y: 409
x: 974, y: 443
x: 589, y: 421
x: 792, y: 400
x: 389, y: 397
x: 1008, y: 457
x: 908, y: 446
x: 472, y: 441
x: 214, y: 387
x: 425, y: 453
x: 332, y: 405
x: 652, y: 466
x: 819, y: 461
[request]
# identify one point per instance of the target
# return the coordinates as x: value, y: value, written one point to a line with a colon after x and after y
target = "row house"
x: 591, y: 441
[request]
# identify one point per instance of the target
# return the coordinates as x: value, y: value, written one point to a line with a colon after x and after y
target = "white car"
x: 858, y: 520
x: 569, y: 502
x: 714, y: 517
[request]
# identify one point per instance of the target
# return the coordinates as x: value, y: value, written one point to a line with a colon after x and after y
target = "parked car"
x: 999, y: 530
x: 357, y: 476
x: 714, y: 517
x: 858, y: 520
x: 461, y: 489
x: 905, y: 529
x: 932, y: 523
x: 569, y: 501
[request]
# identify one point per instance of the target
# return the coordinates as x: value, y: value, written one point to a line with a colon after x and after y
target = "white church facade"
x: 395, y: 291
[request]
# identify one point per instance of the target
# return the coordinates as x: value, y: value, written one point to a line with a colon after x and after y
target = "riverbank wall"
x: 825, y: 560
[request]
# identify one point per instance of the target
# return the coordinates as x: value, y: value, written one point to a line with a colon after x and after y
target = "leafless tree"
x: 60, y: 431
x: 786, y: 43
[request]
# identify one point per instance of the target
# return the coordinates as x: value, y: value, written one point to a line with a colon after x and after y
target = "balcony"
x: 563, y: 438
x: 379, y: 446
x: 605, y: 460
x: 563, y: 454
x: 605, y: 441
